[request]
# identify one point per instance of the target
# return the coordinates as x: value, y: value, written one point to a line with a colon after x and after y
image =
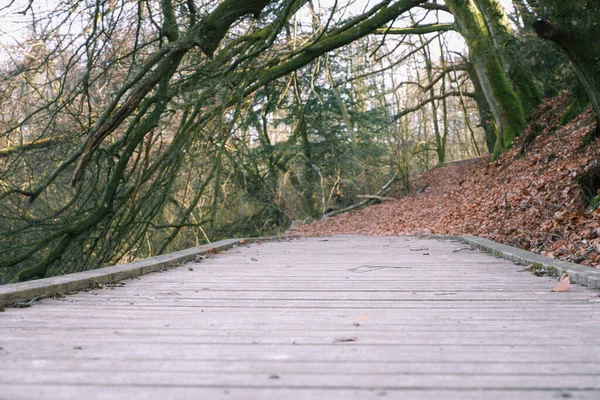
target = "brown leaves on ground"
x: 564, y: 285
x: 534, y: 201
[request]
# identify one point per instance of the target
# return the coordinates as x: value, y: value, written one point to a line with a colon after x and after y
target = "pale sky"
x: 12, y: 24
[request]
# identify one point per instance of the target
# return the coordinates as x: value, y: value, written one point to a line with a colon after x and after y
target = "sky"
x: 12, y: 23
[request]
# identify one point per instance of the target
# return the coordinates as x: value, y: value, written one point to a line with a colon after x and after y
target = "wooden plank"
x: 309, y: 367
x: 85, y: 338
x: 330, y: 380
x: 348, y: 317
x: 104, y: 392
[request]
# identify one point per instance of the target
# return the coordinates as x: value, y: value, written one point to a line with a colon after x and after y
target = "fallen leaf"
x: 564, y: 285
x: 242, y: 241
x: 364, y: 317
x: 345, y: 339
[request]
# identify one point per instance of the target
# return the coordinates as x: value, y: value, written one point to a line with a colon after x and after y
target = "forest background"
x: 134, y: 128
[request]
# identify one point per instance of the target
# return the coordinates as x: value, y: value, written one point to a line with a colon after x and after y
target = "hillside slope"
x: 540, y: 196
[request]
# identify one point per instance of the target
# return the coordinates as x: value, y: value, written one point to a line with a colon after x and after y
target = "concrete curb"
x: 23, y: 292
x: 580, y: 274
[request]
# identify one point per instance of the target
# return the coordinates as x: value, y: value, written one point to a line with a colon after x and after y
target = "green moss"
x: 549, y: 270
x: 573, y: 25
x: 508, y: 51
x: 511, y: 112
x: 594, y: 202
x: 537, y: 266
x: 498, y: 91
x: 553, y: 271
x: 526, y: 89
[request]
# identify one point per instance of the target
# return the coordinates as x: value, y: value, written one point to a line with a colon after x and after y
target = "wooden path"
x: 323, y: 318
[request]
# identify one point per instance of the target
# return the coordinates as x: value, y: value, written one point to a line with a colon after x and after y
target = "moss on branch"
x: 416, y: 30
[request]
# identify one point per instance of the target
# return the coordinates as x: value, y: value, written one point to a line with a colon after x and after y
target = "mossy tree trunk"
x: 508, y: 49
x: 503, y: 101
x: 573, y: 25
x: 486, y: 118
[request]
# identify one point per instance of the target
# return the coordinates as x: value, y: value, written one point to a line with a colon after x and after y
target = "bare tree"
x: 127, y: 91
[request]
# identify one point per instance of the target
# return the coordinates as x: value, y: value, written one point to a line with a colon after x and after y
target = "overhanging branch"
x: 33, y: 145
x: 416, y: 29
x: 409, y: 110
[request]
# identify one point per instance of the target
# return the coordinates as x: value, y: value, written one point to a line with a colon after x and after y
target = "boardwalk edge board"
x: 18, y: 294
x: 579, y: 274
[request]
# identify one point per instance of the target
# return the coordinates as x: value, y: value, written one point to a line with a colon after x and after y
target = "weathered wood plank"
x: 309, y: 367
x: 335, y: 318
x: 104, y: 392
x: 332, y: 380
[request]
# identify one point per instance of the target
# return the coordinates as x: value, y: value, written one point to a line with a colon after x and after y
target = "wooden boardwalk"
x: 346, y: 317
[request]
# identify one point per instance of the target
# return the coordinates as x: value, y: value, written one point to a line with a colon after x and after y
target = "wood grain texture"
x: 347, y: 317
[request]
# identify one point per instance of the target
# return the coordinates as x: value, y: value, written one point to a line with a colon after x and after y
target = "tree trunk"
x: 486, y: 117
x: 573, y: 25
x: 501, y: 97
x: 507, y: 49
x: 343, y: 108
x: 439, y: 143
